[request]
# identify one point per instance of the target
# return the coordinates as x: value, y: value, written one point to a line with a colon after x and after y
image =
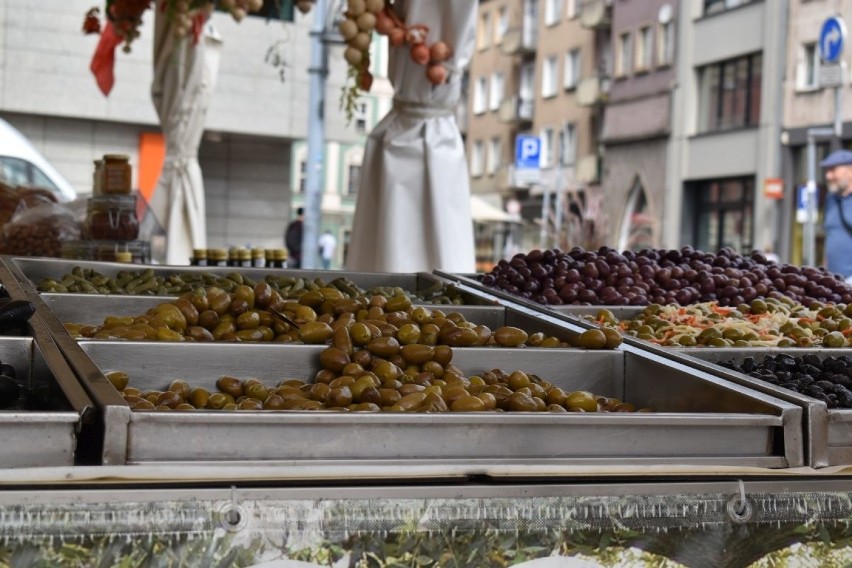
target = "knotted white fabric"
x: 413, y: 209
x: 184, y: 78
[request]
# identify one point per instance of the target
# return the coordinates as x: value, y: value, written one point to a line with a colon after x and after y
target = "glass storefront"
x: 721, y: 211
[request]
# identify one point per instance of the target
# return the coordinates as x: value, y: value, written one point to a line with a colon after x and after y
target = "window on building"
x: 644, y: 48
x: 546, y: 151
x: 483, y: 33
x: 548, y: 77
x: 716, y: 6
x: 638, y: 225
x: 552, y: 12
x: 360, y: 118
x: 665, y: 43
x: 807, y: 76
x: 568, y: 144
x: 354, y: 179
x: 722, y: 213
x: 303, y: 175
x: 497, y: 91
x: 623, y: 54
x: 729, y: 95
x: 501, y: 25
x: 477, y: 158
x: 495, y: 148
x: 572, y: 71
x: 571, y: 8
x: 480, y: 88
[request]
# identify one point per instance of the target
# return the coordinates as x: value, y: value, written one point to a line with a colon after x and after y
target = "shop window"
x: 807, y: 76
x: 571, y: 8
x: 360, y: 118
x: 722, y: 213
x: 638, y: 223
x: 548, y: 77
x: 497, y: 90
x: 573, y: 69
x: 729, y: 95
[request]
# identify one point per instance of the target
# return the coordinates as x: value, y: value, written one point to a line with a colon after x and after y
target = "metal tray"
x: 702, y: 419
x: 33, y: 270
x: 47, y: 434
x: 828, y: 432
x: 91, y: 309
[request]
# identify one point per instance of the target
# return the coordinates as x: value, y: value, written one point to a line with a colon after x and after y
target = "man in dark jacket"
x: 293, y: 239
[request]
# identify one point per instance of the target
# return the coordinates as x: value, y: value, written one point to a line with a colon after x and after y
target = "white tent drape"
x: 413, y: 210
x: 184, y: 78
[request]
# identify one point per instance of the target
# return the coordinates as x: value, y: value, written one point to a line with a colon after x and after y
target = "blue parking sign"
x: 527, y: 152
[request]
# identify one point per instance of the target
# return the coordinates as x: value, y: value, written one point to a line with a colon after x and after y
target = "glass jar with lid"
x: 117, y: 174
x: 112, y: 218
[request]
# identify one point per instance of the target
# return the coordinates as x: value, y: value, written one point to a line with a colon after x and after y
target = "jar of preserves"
x: 218, y: 257
x: 258, y: 258
x: 280, y: 258
x: 199, y: 257
x: 117, y: 175
x: 244, y: 258
x: 98, y: 178
x: 112, y: 218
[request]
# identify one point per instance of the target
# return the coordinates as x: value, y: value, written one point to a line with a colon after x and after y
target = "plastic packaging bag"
x: 40, y: 230
x: 13, y: 199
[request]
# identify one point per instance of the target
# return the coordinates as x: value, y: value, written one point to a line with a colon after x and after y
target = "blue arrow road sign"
x: 527, y: 152
x: 832, y: 36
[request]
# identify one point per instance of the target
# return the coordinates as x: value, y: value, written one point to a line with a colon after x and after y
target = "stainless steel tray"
x: 33, y: 270
x: 91, y: 309
x: 702, y: 418
x: 828, y: 432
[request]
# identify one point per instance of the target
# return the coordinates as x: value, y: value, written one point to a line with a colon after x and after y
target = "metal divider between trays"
x: 87, y: 432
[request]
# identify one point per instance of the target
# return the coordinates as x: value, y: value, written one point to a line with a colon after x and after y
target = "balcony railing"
x: 514, y: 110
x: 588, y: 169
x: 596, y: 14
x: 522, y: 40
x: 592, y: 91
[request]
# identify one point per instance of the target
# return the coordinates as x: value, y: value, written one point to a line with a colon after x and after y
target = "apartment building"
x: 637, y: 122
x: 256, y: 124
x: 533, y: 61
x: 725, y: 128
x: 807, y: 105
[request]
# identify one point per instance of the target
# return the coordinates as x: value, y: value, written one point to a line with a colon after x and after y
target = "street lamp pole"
x: 316, y: 137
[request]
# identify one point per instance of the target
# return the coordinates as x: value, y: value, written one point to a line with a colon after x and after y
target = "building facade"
x: 807, y: 105
x: 727, y: 105
x: 637, y: 122
x: 526, y: 76
x: 255, y: 125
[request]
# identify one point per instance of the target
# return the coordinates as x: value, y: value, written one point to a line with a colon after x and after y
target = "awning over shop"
x: 483, y: 212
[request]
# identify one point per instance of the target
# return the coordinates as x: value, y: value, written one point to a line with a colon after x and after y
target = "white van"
x: 22, y: 164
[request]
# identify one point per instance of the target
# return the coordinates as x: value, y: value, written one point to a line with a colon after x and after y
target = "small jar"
x: 258, y: 258
x: 98, y: 178
x: 199, y: 257
x: 124, y: 256
x: 280, y: 258
x: 270, y: 258
x: 116, y: 175
x: 112, y: 218
x: 233, y: 257
x: 244, y: 258
x: 218, y: 257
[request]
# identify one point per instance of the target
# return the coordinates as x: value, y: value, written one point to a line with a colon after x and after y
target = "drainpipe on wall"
x: 780, y: 242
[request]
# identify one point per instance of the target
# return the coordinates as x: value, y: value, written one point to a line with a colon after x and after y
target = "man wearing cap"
x: 837, y: 220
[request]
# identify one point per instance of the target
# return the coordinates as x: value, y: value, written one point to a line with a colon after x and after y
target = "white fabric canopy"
x: 413, y: 211
x: 184, y: 78
x: 483, y: 212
